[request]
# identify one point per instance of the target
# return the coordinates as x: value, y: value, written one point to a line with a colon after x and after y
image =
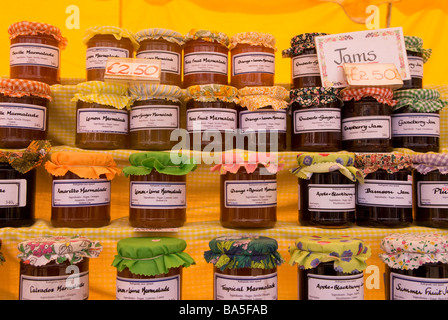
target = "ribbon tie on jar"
x: 382, y: 95
x: 419, y: 100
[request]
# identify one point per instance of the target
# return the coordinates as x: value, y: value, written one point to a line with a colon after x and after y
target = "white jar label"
x: 205, y: 62
x: 167, y: 288
x: 158, y: 195
x: 331, y: 197
x: 154, y: 117
x: 306, y: 65
x: 96, y: 57
x: 34, y: 55
x: 245, y: 287
x: 247, y: 194
x: 253, y: 62
x: 404, y: 287
x: 102, y: 121
x: 384, y: 193
x: 215, y: 119
x: 415, y: 66
x: 317, y: 120
x: 80, y: 193
x: 170, y: 61
x: 13, y: 193
x: 377, y: 127
x: 335, y: 287
x: 416, y: 124
x: 70, y: 287
x: 263, y: 120
x: 23, y: 116
x: 432, y: 194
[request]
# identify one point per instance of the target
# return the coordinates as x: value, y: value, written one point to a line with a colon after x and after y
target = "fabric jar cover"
x: 415, y: 44
x: 253, y: 38
x: 382, y: 95
x: 237, y: 252
x: 109, y: 94
x: 313, y: 162
x: 207, y: 35
x: 170, y: 163
x: 254, y: 98
x: 28, y: 28
x: 407, y: 251
x: 19, y: 88
x: 151, y: 256
x: 300, y: 43
x: 160, y: 33
x: 211, y: 93
x: 2, y: 258
x: 312, y: 96
x: 142, y: 91
x: 419, y: 100
x: 41, y: 251
x: 117, y: 32
x: 30, y: 158
x: 390, y: 162
x: 86, y: 165
x: 427, y: 162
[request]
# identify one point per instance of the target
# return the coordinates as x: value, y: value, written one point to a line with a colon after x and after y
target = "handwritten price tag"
x: 127, y: 70
x: 384, y: 75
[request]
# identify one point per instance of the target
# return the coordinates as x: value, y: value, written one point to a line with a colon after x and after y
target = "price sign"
x: 383, y: 75
x: 132, y: 70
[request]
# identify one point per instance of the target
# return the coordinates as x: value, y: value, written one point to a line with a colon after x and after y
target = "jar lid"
x: 391, y: 162
x: 160, y: 33
x: 313, y: 96
x: 41, y: 251
x: 254, y: 98
x: 32, y: 157
x: 382, y: 95
x: 211, y: 93
x: 142, y: 91
x: 117, y: 32
x: 407, y: 251
x: 86, y: 165
x: 28, y: 28
x: 104, y: 93
x: 150, y: 256
x: 348, y: 254
x: 427, y: 162
x: 419, y: 100
x: 415, y: 44
x: 207, y: 35
x: 170, y: 163
x: 313, y: 162
x: 253, y: 38
x: 19, y: 88
x: 300, y: 43
x: 237, y: 252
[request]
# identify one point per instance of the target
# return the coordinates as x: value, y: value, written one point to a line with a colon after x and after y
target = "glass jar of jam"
x: 330, y: 267
x: 416, y: 266
x: 34, y: 53
x: 106, y: 42
x: 206, y: 55
x: 102, y: 116
x: 366, y: 119
x: 155, y: 114
x: 262, y: 118
x: 417, y: 57
x: 23, y: 111
x: 327, y: 189
x: 56, y: 268
x: 150, y: 268
x: 416, y: 120
x: 252, y: 59
x: 166, y: 46
x: 315, y: 119
x: 244, y: 267
x: 305, y: 70
x: 158, y: 188
x: 212, y: 116
x: 385, y: 198
x: 81, y: 189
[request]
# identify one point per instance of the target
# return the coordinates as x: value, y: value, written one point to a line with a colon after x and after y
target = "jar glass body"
x: 170, y: 54
x: 92, y: 210
x: 415, y: 60
x: 99, y: 48
x: 248, y: 200
x: 36, y: 58
x: 327, y: 200
x: 101, y: 127
x: 305, y: 70
x: 18, y: 205
x: 157, y: 209
x: 366, y: 126
x: 205, y: 62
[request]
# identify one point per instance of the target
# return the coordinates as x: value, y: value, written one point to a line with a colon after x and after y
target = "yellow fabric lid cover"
x: 253, y: 38
x: 117, y: 32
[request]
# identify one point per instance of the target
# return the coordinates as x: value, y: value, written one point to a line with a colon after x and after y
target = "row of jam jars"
x: 49, y: 263
x: 81, y: 188
x: 417, y: 57
x: 35, y: 52
x: 158, y: 189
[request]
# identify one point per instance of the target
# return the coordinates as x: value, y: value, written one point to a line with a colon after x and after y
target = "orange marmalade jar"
x: 205, y: 58
x: 252, y: 59
x: 35, y: 51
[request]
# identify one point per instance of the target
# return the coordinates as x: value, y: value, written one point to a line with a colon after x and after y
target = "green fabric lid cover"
x: 236, y: 252
x: 163, y: 162
x: 150, y: 256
